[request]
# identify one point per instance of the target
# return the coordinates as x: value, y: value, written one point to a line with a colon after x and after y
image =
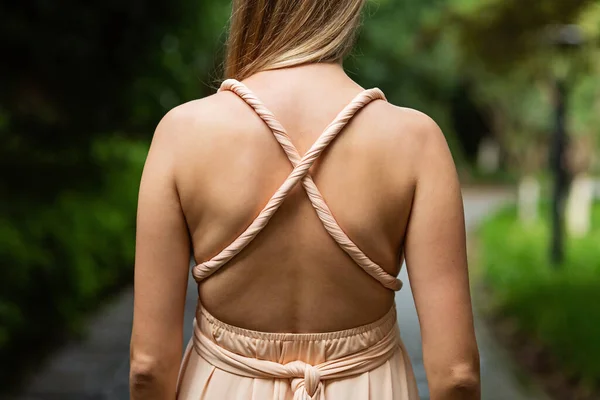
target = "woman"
x: 293, y: 303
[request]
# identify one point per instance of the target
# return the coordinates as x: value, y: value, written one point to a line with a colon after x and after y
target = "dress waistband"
x: 364, y: 348
x: 381, y: 326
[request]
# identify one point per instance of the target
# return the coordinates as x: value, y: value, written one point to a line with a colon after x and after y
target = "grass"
x: 558, y: 308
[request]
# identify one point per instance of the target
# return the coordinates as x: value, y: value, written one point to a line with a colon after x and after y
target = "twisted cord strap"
x: 306, y: 380
x: 315, y: 196
x: 300, y: 173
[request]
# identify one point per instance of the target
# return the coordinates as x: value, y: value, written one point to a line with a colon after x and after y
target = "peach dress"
x: 224, y: 362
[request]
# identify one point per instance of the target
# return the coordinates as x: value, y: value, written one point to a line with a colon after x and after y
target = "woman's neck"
x: 301, y: 75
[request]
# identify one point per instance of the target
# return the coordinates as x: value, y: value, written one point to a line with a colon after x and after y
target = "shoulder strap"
x: 300, y: 173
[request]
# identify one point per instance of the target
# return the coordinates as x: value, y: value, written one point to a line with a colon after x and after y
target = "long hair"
x: 271, y: 34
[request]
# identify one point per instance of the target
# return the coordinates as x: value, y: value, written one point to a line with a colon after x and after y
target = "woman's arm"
x: 437, y: 267
x: 161, y: 273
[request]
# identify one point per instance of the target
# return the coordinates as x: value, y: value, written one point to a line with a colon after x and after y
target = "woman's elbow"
x: 142, y: 371
x: 464, y: 378
x: 461, y: 381
x: 148, y: 379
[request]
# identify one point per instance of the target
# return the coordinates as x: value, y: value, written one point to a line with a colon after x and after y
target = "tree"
x: 504, y: 49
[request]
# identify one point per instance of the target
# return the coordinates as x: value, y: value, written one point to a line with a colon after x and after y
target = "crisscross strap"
x: 300, y: 173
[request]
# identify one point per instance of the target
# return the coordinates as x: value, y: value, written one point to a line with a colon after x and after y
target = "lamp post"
x: 564, y: 38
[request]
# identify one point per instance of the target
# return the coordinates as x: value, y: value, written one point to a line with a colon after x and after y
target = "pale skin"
x: 390, y: 181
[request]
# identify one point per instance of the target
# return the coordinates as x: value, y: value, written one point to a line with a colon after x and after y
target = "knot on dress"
x: 305, y: 380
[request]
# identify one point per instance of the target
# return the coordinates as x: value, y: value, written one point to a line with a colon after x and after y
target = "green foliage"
x: 503, y: 34
x: 505, y: 50
x: 188, y: 57
x: 73, y: 65
x: 61, y: 259
x: 555, y: 307
x: 463, y: 60
x: 391, y: 53
x: 73, y: 72
x: 67, y: 77
x: 79, y: 69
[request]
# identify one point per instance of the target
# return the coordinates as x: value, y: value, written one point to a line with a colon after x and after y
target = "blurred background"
x: 515, y: 86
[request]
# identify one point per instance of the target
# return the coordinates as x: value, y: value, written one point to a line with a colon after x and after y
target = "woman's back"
x: 294, y: 277
x: 299, y: 193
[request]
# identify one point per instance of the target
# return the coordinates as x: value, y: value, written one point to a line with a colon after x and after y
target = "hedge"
x: 557, y: 308
x: 61, y: 259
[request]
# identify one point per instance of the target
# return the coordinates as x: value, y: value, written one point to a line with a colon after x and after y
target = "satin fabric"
x: 226, y: 362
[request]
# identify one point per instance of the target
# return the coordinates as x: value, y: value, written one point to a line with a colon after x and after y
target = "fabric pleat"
x: 226, y: 362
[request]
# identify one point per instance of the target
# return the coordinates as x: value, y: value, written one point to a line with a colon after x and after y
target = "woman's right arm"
x: 437, y: 266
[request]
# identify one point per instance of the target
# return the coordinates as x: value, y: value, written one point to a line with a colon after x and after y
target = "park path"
x: 96, y: 368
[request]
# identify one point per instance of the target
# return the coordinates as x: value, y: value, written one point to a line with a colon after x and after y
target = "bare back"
x: 387, y: 179
x: 293, y: 277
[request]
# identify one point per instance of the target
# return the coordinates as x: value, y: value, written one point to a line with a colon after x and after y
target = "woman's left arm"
x: 161, y: 273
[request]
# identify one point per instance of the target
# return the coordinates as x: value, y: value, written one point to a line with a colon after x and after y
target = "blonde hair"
x: 271, y: 34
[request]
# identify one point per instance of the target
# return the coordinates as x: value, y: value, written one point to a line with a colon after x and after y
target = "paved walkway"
x: 97, y: 367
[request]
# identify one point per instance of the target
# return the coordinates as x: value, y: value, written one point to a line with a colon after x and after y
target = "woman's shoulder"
x: 412, y: 129
x: 202, y: 115
x: 199, y: 129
